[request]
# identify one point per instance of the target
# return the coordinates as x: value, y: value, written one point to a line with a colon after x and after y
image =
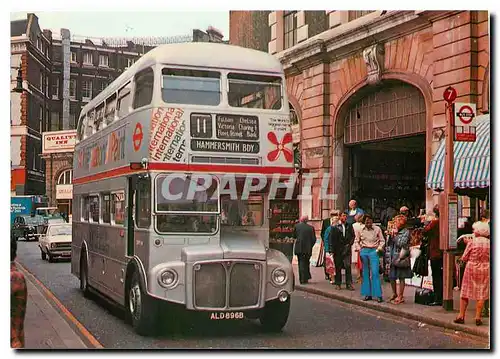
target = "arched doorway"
x: 382, y: 132
x: 64, y: 192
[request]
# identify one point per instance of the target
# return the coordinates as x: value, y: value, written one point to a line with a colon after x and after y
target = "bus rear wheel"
x: 275, y: 315
x: 84, y: 277
x: 142, y: 308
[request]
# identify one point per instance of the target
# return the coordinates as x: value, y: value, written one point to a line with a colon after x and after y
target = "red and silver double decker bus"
x: 199, y: 116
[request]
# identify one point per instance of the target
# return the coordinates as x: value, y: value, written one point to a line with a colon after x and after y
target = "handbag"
x: 424, y: 296
x: 403, y: 260
x: 329, y: 265
x: 420, y: 267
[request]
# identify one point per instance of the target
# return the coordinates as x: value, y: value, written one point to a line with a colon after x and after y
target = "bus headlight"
x: 278, y: 276
x: 168, y: 278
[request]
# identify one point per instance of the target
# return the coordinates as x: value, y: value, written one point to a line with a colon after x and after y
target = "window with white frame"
x: 55, y: 87
x: 41, y: 87
x: 87, y: 58
x: 72, y: 88
x: 86, y: 89
x: 73, y: 56
x: 103, y: 60
x: 72, y: 120
x: 130, y: 62
x: 65, y: 177
x: 54, y: 121
x: 103, y: 86
x: 39, y: 44
x: 290, y: 28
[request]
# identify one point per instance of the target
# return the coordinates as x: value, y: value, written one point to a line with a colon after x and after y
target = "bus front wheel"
x: 275, y: 315
x: 142, y: 308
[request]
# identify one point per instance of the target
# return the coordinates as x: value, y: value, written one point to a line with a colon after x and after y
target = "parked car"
x: 27, y: 227
x: 56, y: 241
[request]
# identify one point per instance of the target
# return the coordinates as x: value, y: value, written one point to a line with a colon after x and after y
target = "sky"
x: 130, y: 23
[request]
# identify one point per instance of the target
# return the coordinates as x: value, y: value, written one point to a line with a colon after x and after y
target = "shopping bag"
x: 329, y: 265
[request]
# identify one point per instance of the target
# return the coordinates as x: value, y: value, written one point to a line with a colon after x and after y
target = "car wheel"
x: 142, y: 309
x: 43, y: 254
x: 51, y: 258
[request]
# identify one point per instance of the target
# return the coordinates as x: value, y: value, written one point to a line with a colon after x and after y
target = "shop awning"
x: 471, y: 159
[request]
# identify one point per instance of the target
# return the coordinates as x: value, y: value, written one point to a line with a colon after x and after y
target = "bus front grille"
x: 210, y: 286
x: 244, y: 285
x: 239, y: 282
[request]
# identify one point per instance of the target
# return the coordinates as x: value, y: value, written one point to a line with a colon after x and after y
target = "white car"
x: 56, y: 241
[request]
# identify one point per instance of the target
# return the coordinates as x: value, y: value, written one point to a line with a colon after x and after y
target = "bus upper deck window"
x: 191, y: 87
x: 254, y: 91
x: 143, y: 93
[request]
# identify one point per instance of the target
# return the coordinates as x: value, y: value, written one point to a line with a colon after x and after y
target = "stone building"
x: 30, y: 58
x: 366, y: 95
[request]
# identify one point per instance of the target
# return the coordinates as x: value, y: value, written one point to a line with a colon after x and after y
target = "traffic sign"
x: 464, y: 118
x: 465, y: 114
x: 137, y: 137
x: 450, y: 94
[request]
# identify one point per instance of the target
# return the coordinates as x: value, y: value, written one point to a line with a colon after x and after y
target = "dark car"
x: 27, y: 227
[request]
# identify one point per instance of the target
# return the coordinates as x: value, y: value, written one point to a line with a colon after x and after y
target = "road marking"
x: 63, y: 309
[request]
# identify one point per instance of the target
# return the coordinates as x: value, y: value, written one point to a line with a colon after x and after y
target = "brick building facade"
x: 368, y: 84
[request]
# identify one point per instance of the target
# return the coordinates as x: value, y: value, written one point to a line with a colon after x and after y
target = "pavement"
x: 436, y: 316
x: 46, y: 325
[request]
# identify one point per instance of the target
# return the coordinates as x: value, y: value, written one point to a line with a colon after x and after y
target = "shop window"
x: 106, y: 208
x: 66, y: 177
x: 242, y: 213
x: 143, y: 203
x: 94, y: 209
x: 118, y: 208
x: 143, y: 92
x: 85, y: 208
x: 290, y: 28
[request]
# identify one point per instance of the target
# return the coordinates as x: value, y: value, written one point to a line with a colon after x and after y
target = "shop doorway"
x: 384, y: 148
x: 389, y: 173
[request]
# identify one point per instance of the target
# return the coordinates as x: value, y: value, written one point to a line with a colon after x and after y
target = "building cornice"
x: 353, y: 37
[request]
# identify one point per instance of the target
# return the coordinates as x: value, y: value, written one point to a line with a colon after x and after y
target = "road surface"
x: 315, y: 322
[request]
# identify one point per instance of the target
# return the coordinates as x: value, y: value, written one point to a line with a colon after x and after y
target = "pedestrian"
x: 485, y: 217
x: 357, y: 226
x: 400, y: 267
x: 340, y: 242
x: 431, y: 232
x: 333, y: 222
x: 323, y: 250
x: 369, y: 243
x: 388, y: 214
x: 353, y: 211
x: 411, y: 222
x: 476, y: 282
x: 18, y: 300
x: 306, y: 238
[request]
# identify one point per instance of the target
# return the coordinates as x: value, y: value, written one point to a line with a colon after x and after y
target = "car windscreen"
x: 59, y: 231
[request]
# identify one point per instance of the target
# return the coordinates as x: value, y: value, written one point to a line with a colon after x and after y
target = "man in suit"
x: 340, y: 244
x: 306, y: 238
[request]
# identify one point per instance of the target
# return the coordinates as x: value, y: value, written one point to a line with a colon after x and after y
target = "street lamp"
x: 19, y: 82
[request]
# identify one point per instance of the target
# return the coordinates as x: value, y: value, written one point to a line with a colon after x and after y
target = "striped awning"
x: 471, y: 160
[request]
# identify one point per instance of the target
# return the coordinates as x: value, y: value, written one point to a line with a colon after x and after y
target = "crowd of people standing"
x: 388, y: 252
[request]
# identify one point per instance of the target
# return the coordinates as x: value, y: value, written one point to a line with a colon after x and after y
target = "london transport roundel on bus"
x: 137, y: 137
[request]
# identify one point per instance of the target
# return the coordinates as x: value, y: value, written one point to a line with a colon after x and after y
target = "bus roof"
x: 199, y: 54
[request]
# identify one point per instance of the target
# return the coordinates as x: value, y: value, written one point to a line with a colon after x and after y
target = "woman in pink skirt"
x: 476, y: 281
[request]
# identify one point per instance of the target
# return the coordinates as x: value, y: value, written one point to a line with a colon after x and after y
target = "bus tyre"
x: 84, y: 277
x: 142, y: 308
x: 275, y: 315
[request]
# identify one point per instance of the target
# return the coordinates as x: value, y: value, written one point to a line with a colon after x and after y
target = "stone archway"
x: 392, y: 109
